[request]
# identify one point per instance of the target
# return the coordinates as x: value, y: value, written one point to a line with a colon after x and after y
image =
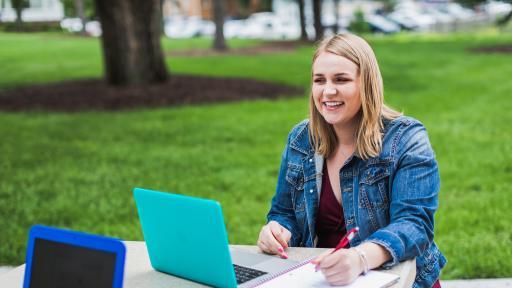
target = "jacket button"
x: 310, y: 190
x: 310, y: 159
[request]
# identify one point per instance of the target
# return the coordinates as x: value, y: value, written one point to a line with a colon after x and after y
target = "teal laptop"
x: 186, y: 237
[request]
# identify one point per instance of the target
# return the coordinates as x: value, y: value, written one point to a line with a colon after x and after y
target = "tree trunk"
x: 302, y: 20
x: 131, y: 32
x: 18, y: 6
x: 79, y: 6
x: 219, y: 42
x: 254, y: 6
x: 317, y: 16
x: 337, y: 16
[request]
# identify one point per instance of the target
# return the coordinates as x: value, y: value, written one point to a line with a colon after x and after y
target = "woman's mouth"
x: 333, y: 105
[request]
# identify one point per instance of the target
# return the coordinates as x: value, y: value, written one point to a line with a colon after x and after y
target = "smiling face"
x: 336, y: 89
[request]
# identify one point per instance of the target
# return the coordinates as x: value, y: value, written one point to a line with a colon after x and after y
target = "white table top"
x: 139, y: 273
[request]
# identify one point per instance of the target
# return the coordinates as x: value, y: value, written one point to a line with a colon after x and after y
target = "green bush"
x: 31, y: 27
x: 359, y: 25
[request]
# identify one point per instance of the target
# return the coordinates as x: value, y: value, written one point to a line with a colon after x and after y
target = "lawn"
x: 77, y: 170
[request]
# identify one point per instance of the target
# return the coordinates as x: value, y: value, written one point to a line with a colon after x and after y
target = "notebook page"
x: 305, y: 276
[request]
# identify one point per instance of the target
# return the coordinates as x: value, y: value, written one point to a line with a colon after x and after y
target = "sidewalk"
x: 478, y: 283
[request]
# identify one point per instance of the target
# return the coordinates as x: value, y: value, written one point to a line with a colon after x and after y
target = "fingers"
x: 329, y: 261
x: 264, y: 247
x: 272, y: 242
x: 287, y: 235
x: 278, y: 232
x: 321, y: 257
x: 267, y: 240
x: 339, y: 268
x: 318, y: 260
x: 263, y: 243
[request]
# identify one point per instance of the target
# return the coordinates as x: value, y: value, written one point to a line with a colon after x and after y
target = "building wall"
x: 203, y: 8
x: 38, y: 11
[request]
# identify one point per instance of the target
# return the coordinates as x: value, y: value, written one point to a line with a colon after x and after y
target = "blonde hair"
x: 368, y: 136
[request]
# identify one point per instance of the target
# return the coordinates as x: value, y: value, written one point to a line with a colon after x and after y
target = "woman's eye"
x: 318, y: 80
x: 341, y: 80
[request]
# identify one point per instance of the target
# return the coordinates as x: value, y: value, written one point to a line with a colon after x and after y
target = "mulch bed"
x: 95, y: 94
x: 505, y: 49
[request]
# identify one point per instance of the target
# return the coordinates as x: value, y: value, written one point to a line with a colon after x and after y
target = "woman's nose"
x: 330, y: 91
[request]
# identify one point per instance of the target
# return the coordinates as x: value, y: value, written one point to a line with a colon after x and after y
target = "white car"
x: 267, y: 25
x: 93, y: 28
x: 180, y: 27
x: 440, y: 16
x: 496, y: 8
x: 72, y: 25
x: 234, y: 29
x: 381, y: 24
x: 456, y: 10
x: 406, y: 22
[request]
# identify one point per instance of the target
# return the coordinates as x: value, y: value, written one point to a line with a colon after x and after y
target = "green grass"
x: 50, y: 57
x: 77, y: 170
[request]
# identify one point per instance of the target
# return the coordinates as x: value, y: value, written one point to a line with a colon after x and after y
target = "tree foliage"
x: 70, y: 8
x: 359, y: 25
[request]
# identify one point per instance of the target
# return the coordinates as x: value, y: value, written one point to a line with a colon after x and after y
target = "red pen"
x: 344, y: 241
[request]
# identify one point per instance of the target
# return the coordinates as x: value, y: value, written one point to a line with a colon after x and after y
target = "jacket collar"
x: 300, y: 142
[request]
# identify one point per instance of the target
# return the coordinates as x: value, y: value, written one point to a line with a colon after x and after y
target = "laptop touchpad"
x: 274, y: 265
x: 261, y: 262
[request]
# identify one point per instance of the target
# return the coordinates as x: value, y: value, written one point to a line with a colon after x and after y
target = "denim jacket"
x: 392, y: 198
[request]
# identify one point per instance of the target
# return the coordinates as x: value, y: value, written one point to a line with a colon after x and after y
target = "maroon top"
x: 330, y: 222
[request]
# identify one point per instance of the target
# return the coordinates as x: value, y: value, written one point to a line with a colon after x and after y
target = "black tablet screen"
x: 57, y: 265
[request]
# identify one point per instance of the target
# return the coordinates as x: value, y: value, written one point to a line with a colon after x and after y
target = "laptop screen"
x: 56, y: 264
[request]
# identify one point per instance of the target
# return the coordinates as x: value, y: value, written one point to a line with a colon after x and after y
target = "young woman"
x: 356, y: 163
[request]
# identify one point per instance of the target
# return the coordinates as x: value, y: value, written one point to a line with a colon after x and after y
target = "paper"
x: 305, y: 276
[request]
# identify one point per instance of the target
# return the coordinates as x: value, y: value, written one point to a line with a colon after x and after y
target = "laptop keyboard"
x: 244, y: 274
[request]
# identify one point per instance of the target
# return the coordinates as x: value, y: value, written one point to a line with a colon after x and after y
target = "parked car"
x: 456, y: 10
x: 234, y: 28
x: 406, y: 22
x: 409, y: 15
x: 380, y: 24
x: 93, y: 28
x: 440, y: 16
x: 188, y: 27
x: 496, y: 8
x: 267, y: 25
x: 72, y: 25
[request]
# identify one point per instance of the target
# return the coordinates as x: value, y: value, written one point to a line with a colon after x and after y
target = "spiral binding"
x: 269, y: 277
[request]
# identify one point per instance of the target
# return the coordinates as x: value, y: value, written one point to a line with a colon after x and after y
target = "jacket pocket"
x: 373, y: 186
x: 295, y: 177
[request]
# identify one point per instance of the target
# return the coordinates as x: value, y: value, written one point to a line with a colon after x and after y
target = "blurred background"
x: 197, y: 97
x: 268, y: 19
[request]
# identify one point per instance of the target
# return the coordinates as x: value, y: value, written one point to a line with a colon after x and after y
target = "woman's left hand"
x: 341, y: 267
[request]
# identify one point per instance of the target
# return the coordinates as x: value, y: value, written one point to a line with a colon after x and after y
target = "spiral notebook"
x: 303, y: 275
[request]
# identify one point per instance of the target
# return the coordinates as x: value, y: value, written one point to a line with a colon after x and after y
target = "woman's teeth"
x: 333, y: 103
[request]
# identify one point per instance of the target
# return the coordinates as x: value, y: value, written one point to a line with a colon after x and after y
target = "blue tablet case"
x: 186, y: 237
x: 64, y: 256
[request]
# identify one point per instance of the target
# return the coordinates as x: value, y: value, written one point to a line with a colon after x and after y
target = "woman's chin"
x: 332, y: 121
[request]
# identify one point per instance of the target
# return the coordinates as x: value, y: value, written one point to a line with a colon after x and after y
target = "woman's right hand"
x: 274, y: 239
